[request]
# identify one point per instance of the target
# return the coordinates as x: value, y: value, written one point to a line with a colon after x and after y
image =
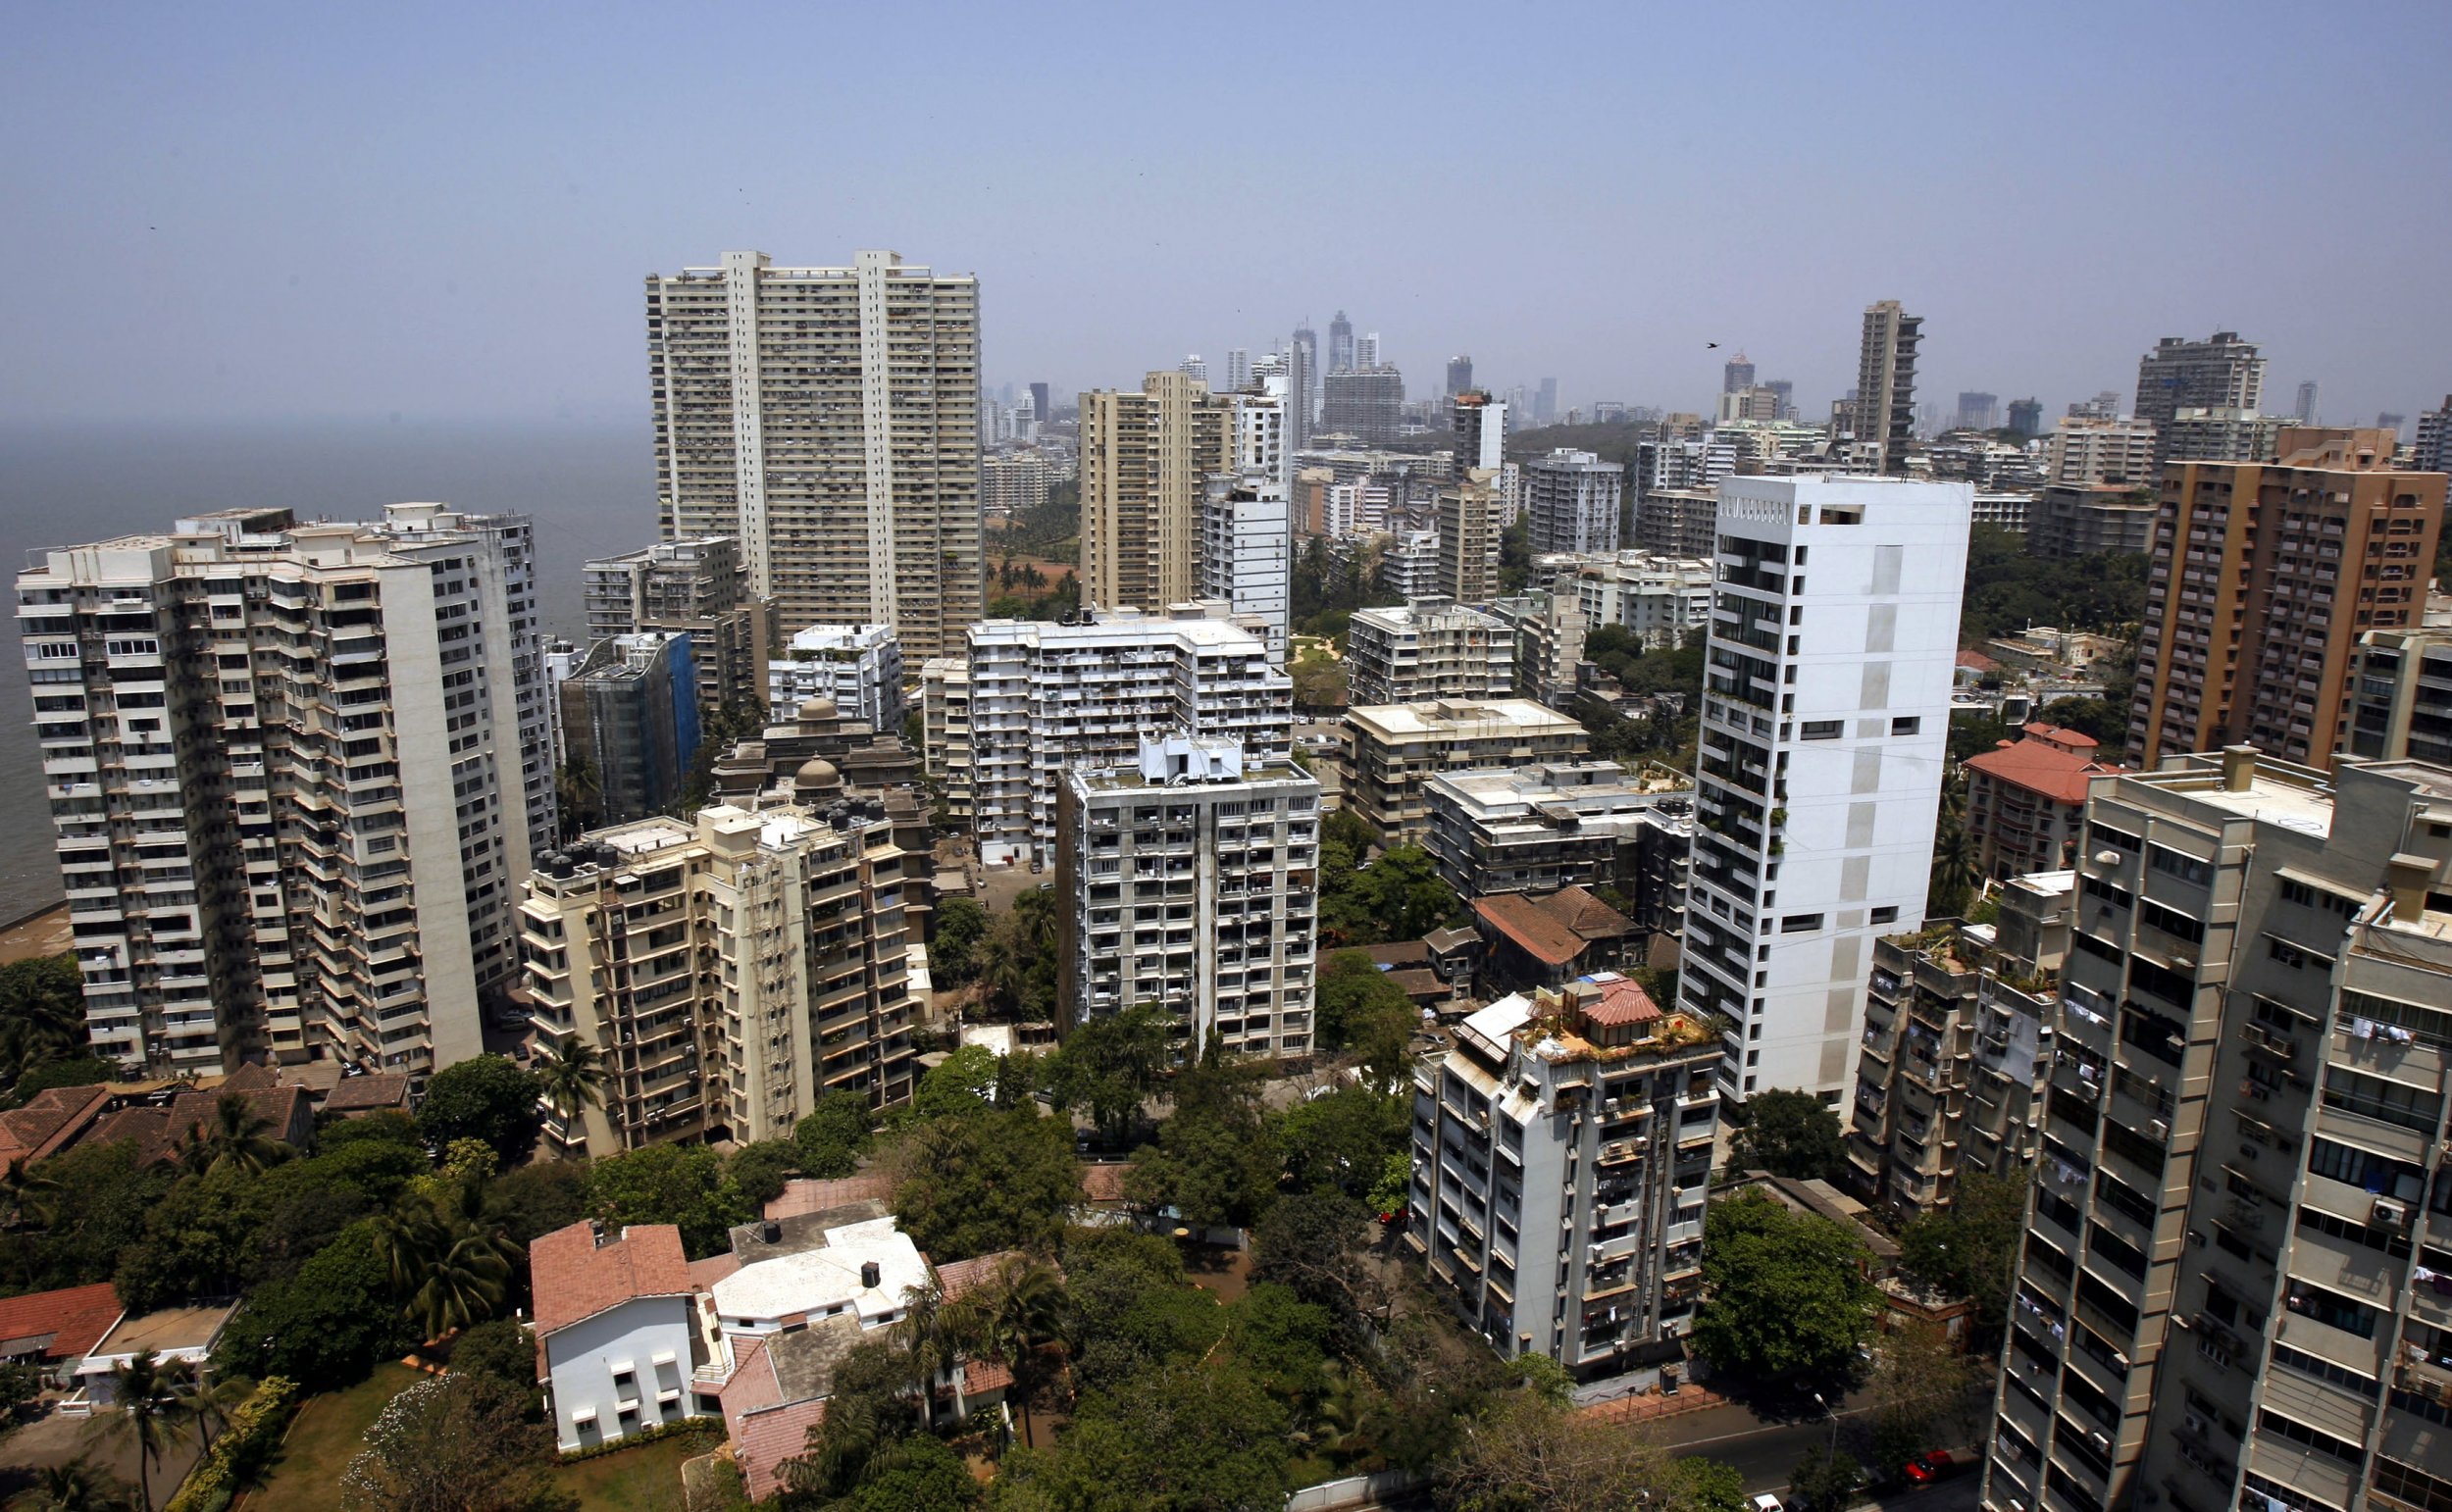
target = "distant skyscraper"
x: 1978, y: 411
x: 2304, y: 412
x: 827, y: 417
x: 1460, y: 375
x: 1238, y: 370
x: 1302, y: 388
x: 2385, y: 419
x: 1042, y: 403
x: 1368, y: 403
x: 1194, y: 368
x: 1735, y: 375
x: 2434, y: 438
x: 1341, y: 345
x: 1786, y: 392
x: 1306, y: 342
x: 2221, y: 373
x: 2103, y: 406
x: 1367, y: 350
x: 1885, y: 381
x: 2027, y: 416
x: 1545, y: 404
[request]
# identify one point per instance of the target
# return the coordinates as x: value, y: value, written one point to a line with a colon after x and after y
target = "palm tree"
x: 78, y: 1487
x: 1011, y: 1319
x: 239, y: 1138
x: 928, y: 1337
x: 572, y: 1074
x: 450, y: 1266
x: 24, y: 1195
x: 209, y: 1401
x: 147, y: 1393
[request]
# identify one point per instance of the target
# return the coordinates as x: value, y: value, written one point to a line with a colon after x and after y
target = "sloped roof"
x: 49, y: 1120
x: 2041, y: 767
x: 575, y: 1278
x: 1532, y: 928
x: 1103, y: 1181
x: 1622, y: 1002
x: 1585, y: 914
x: 64, y: 1325
x: 804, y: 1196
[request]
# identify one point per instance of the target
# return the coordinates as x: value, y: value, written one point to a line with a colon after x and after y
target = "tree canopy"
x: 486, y: 1097
x: 1786, y: 1294
x: 1789, y: 1134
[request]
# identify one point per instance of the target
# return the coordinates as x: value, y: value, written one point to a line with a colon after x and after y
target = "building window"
x: 2299, y: 1433
x: 2415, y: 1487
x: 1906, y: 725
x: 1800, y: 924
x: 1820, y: 730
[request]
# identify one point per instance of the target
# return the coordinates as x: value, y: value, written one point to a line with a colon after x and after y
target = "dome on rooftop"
x: 818, y: 709
x: 817, y: 772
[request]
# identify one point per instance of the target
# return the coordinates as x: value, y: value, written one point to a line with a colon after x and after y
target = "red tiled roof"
x: 804, y: 1196
x: 963, y: 1275
x: 49, y: 1120
x: 1977, y: 661
x: 1622, y: 1002
x: 984, y: 1376
x: 1533, y: 929
x: 1583, y: 912
x: 704, y: 1274
x: 574, y: 1277
x: 66, y: 1325
x: 380, y: 1090
x: 2040, y: 767
x: 765, y: 1429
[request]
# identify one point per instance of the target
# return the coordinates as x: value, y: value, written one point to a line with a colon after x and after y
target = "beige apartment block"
x: 1391, y: 751
x: 731, y: 970
x: 1145, y: 458
x: 829, y: 419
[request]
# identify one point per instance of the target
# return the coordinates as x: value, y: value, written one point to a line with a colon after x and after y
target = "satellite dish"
x: 2106, y: 858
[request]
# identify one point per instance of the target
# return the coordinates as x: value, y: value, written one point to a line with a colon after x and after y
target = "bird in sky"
x: 1710, y: 347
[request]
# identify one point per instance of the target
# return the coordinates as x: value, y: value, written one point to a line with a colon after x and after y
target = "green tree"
x: 77, y: 1070
x: 1319, y: 683
x: 25, y: 1194
x: 533, y: 1200
x: 1217, y: 1159
x: 1789, y: 1134
x: 760, y: 1170
x: 238, y: 1137
x: 1708, y: 1485
x: 42, y: 1016
x: 324, y: 1326
x: 451, y: 1443
x: 1340, y: 1143
x: 961, y: 930
x: 868, y: 1410
x: 1787, y: 1299
x: 1360, y: 1010
x: 1825, y: 1482
x: 500, y: 1348
x: 683, y: 1184
x: 570, y: 1078
x: 447, y: 1264
x: 964, y: 1084
x: 78, y: 1487
x: 147, y: 1393
x: 1186, y: 1438
x: 1001, y: 1180
x: 486, y: 1097
x: 1920, y: 1385
x: 918, y: 1474
x: 1396, y: 896
x: 834, y: 1134
x: 1013, y: 1317
x: 1970, y: 1248
x: 1315, y: 1245
x: 1531, y: 1453
x: 1108, y: 1066
x: 97, y: 1206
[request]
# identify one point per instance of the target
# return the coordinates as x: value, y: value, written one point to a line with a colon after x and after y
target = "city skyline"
x: 220, y: 198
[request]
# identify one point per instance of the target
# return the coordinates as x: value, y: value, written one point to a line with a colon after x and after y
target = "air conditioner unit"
x: 2389, y: 1214
x: 2195, y: 1424
x: 2159, y: 1129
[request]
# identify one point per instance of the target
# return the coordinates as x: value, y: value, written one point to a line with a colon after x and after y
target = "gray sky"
x: 258, y: 212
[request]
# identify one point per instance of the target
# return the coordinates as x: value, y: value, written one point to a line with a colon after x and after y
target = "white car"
x: 1766, y: 1502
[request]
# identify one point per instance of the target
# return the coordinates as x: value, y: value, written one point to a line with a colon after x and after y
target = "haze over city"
x: 445, y: 212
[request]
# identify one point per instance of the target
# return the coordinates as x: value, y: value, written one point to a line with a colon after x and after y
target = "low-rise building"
x: 1585, y: 823
x: 1393, y: 750
x: 1561, y: 1150
x: 1531, y: 941
x: 1661, y: 599
x: 1548, y: 629
x: 1427, y: 648
x: 856, y: 667
x: 1189, y: 880
x: 731, y: 970
x: 2026, y: 800
x: 619, y: 1345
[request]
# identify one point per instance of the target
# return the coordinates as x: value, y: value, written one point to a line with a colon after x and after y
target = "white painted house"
x: 618, y: 1343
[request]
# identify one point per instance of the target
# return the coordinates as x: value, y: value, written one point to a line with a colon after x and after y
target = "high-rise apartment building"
x: 1303, y: 369
x: 1426, y: 649
x: 732, y: 968
x: 1041, y: 402
x: 1736, y: 374
x: 1046, y: 697
x: 629, y: 715
x: 2227, y: 1293
x: 827, y: 417
x: 1884, y: 408
x: 1469, y: 515
x: 2086, y: 451
x: 1565, y: 824
x: 2220, y: 373
x: 1459, y: 376
x: 2434, y: 440
x: 857, y: 668
x: 700, y: 588
x: 2076, y: 520
x: 1011, y: 483
x: 2199, y: 435
x: 2265, y: 576
x: 1545, y: 405
x: 1367, y: 350
x: 2304, y: 411
x: 1247, y: 549
x: 2027, y: 416
x: 1661, y: 599
x: 1977, y: 410
x: 1480, y: 425
x: 1194, y: 368
x: 1583, y: 1117
x: 1188, y: 878
x: 945, y: 733
x: 1575, y: 500
x: 1146, y: 460
x: 1958, y: 1027
x: 1366, y: 403
x: 1340, y: 344
x: 2401, y: 692
x: 1548, y: 629
x: 1825, y: 721
x: 284, y: 764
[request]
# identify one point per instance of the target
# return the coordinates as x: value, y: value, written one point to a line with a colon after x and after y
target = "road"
x: 1765, y: 1452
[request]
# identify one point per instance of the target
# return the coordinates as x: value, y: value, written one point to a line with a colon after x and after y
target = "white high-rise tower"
x: 1825, y: 722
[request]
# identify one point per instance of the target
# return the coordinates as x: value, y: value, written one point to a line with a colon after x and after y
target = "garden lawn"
x: 328, y: 1432
x: 647, y: 1479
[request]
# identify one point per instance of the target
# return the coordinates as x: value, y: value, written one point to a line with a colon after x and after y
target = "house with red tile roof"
x: 50, y: 1122
x: 2027, y: 799
x: 54, y: 1329
x: 619, y: 1344
x: 1547, y: 941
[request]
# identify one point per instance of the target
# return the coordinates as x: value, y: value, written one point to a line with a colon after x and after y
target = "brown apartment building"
x: 2265, y: 576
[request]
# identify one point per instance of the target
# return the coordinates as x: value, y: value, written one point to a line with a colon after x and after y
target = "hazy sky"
x: 229, y: 211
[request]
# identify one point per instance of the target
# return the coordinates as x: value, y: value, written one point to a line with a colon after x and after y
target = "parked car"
x: 1933, y: 1465
x: 1766, y: 1502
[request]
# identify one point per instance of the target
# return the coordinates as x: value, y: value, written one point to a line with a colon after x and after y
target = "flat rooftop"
x: 1459, y: 716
